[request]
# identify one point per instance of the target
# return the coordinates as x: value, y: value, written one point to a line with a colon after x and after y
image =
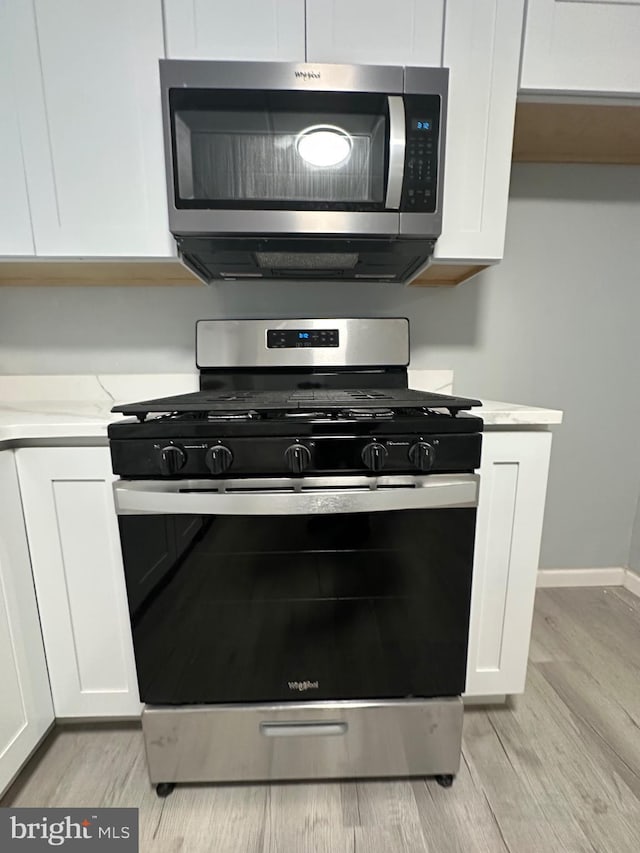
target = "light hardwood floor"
x: 558, y: 769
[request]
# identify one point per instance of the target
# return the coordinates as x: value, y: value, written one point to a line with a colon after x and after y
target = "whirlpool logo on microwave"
x: 70, y: 829
x: 301, y: 686
x: 308, y: 75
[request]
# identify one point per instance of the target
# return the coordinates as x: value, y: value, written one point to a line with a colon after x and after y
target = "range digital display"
x: 296, y: 338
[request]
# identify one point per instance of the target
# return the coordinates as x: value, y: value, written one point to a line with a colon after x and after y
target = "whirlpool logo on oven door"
x: 301, y: 686
x: 307, y: 75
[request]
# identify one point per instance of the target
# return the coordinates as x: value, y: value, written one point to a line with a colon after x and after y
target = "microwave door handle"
x: 397, y: 146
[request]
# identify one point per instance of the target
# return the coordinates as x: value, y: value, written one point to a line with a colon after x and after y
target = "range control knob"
x: 218, y: 459
x: 297, y: 457
x: 422, y: 455
x: 374, y: 455
x: 172, y: 459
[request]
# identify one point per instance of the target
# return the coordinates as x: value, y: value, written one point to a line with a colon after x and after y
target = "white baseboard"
x: 632, y: 582
x: 581, y: 577
x: 609, y: 576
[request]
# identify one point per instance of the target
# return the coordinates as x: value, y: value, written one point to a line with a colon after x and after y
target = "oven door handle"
x: 397, y: 146
x: 437, y: 491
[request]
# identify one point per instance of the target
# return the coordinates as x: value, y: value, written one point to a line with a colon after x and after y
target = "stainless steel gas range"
x: 298, y: 544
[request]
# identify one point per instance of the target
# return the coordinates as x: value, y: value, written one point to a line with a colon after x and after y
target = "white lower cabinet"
x: 26, y: 710
x: 513, y: 483
x: 77, y: 566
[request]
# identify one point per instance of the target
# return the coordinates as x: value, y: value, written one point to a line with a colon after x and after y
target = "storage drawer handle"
x: 294, y: 729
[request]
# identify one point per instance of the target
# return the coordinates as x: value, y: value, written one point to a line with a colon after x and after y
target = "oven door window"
x: 279, y: 150
x: 274, y: 608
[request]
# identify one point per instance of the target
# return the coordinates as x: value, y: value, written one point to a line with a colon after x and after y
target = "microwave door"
x: 397, y: 146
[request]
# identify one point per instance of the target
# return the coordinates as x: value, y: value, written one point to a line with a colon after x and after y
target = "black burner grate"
x: 301, y: 399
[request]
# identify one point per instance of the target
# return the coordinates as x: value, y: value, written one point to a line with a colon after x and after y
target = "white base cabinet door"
x: 26, y: 710
x: 583, y: 47
x: 513, y: 483
x: 77, y: 565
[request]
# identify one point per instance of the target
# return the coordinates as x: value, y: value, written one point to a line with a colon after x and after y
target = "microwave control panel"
x: 421, y: 156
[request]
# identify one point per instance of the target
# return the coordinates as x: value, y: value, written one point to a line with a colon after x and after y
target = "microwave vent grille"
x: 307, y: 260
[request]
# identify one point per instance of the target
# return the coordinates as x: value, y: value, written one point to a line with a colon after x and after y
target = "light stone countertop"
x: 43, y: 408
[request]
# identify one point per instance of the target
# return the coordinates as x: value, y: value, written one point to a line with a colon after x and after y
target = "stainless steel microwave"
x: 284, y: 170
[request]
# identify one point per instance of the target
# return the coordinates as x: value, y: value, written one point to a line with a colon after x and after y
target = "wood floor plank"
x: 611, y: 833
x: 387, y: 803
x: 599, y: 715
x: 458, y: 819
x: 627, y: 598
x: 350, y: 804
x: 598, y: 633
x: 558, y: 770
x: 223, y: 818
x: 598, y: 613
x: 319, y: 840
x: 560, y: 760
x: 391, y: 839
x: 304, y: 807
x: 521, y: 819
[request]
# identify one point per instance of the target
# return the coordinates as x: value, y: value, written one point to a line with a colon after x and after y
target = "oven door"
x: 286, y: 590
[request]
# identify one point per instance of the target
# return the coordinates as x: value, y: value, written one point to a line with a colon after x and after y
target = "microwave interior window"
x: 279, y: 154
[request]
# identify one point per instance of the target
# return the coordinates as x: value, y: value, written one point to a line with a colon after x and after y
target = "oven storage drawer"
x: 324, y: 740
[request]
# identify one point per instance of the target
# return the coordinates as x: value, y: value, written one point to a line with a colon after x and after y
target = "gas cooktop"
x: 323, y: 399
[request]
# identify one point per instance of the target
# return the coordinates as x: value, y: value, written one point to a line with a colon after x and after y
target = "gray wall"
x: 554, y: 325
x: 634, y: 552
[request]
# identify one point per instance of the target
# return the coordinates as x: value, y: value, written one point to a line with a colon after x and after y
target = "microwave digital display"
x: 421, y: 124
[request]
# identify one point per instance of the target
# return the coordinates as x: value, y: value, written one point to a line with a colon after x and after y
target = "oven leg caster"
x: 163, y: 789
x: 446, y: 780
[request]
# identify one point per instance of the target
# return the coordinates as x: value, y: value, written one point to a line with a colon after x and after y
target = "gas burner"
x: 368, y: 414
x: 250, y: 415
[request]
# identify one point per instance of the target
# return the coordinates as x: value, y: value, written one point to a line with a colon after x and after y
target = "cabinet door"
x: 375, y: 32
x: 26, y: 710
x: 86, y: 82
x: 244, y: 29
x: 482, y: 51
x: 513, y: 482
x: 77, y: 567
x: 479, y: 41
x: 585, y: 46
x: 15, y: 219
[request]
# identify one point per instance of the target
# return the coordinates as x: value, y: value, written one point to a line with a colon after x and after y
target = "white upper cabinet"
x: 584, y: 47
x: 243, y: 29
x: 482, y: 51
x: 479, y: 41
x: 86, y: 84
x: 375, y: 32
x: 15, y: 219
